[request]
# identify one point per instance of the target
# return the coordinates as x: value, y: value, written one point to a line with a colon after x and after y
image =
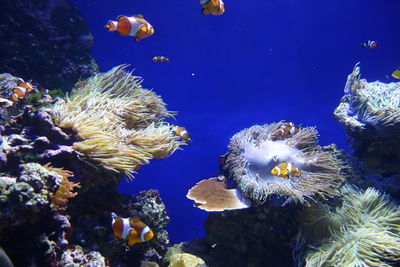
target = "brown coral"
x: 65, y: 191
x: 212, y: 195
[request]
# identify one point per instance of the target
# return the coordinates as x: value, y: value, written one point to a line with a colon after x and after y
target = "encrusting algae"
x: 117, y: 123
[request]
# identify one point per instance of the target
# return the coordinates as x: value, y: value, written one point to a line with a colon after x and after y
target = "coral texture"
x: 75, y: 255
x: 363, y: 231
x: 47, y: 41
x: 186, y: 260
x: 23, y: 198
x: 213, y: 195
x: 118, y: 124
x: 254, y: 152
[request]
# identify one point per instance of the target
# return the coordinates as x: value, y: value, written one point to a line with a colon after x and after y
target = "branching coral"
x: 118, y: 124
x: 254, y: 152
x: 365, y: 231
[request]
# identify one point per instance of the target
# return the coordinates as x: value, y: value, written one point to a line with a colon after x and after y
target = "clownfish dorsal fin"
x: 140, y: 16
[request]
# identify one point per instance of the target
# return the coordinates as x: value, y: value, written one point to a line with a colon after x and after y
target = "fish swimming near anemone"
x: 287, y: 130
x: 286, y: 170
x: 369, y: 44
x: 214, y: 7
x: 161, y: 59
x: 22, y: 88
x: 131, y: 229
x: 135, y: 26
x: 182, y: 133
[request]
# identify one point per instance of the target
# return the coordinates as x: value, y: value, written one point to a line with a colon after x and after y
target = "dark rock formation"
x: 46, y: 41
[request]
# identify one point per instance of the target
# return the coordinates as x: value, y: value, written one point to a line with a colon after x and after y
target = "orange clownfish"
x: 285, y: 170
x: 131, y: 229
x: 27, y: 85
x: 287, y: 130
x: 182, y: 133
x: 161, y: 59
x: 135, y: 26
x: 215, y: 7
x: 21, y: 89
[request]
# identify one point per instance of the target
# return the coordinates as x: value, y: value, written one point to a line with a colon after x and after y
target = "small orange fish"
x: 286, y: 130
x: 27, y: 85
x: 182, y: 133
x: 18, y: 93
x: 161, y: 59
x: 135, y: 26
x: 286, y: 170
x: 214, y: 7
x: 132, y: 229
x: 369, y: 44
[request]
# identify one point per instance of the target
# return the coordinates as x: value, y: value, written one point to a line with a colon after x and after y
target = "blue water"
x: 262, y: 61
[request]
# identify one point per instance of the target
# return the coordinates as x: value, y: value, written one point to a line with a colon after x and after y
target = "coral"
x: 213, y: 195
x: 186, y: 260
x: 118, y: 124
x: 48, y: 42
x: 254, y: 152
x: 24, y: 197
x: 76, y: 256
x: 65, y: 191
x: 363, y: 231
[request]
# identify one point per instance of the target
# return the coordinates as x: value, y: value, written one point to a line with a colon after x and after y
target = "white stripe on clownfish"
x: 126, y: 228
x: 144, y: 231
x: 135, y: 25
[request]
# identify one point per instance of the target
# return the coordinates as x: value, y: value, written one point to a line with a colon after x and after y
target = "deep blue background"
x: 262, y: 61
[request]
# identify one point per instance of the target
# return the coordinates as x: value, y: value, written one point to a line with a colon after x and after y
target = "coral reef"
x: 363, y: 231
x: 47, y: 41
x: 23, y: 198
x: 370, y: 114
x: 118, y: 124
x: 43, y: 205
x: 213, y: 195
x: 77, y: 257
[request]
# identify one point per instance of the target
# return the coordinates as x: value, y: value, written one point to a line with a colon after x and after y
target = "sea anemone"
x: 254, y: 152
x: 373, y: 104
x: 117, y: 123
x: 364, y: 231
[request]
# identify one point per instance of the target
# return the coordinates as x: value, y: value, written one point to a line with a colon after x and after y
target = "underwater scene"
x: 198, y: 133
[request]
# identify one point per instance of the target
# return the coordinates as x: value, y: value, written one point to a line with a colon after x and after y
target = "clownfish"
x: 135, y: 26
x: 19, y: 91
x: 182, y: 133
x: 215, y: 7
x: 286, y: 130
x: 285, y: 170
x: 131, y: 229
x: 161, y: 59
x: 369, y: 44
